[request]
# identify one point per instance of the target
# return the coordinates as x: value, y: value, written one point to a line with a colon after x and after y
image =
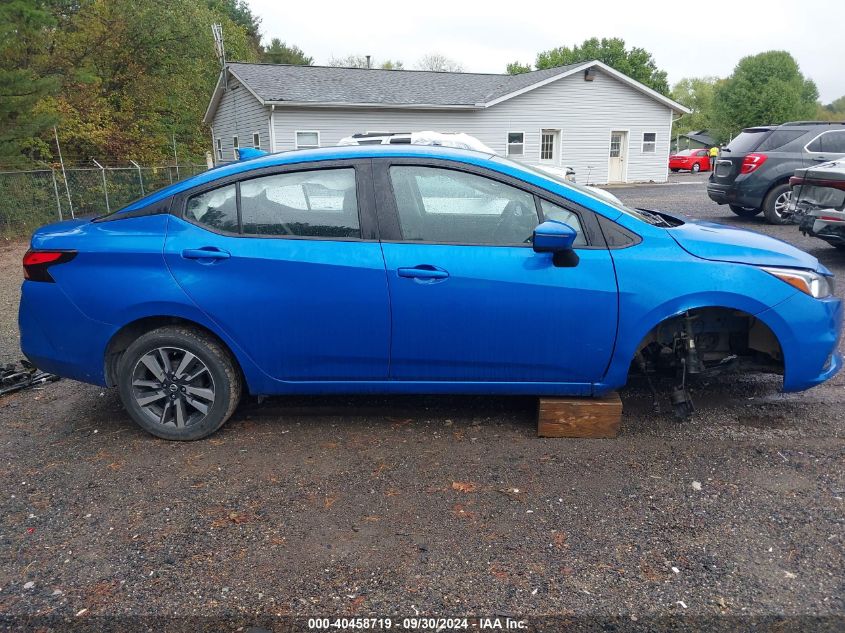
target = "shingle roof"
x: 320, y: 84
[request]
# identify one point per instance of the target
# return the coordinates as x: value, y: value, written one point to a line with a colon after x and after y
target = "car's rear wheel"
x: 696, y: 168
x: 775, y: 204
x: 744, y: 212
x: 178, y: 383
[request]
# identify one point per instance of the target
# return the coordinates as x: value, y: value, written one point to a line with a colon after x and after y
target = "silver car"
x: 817, y: 204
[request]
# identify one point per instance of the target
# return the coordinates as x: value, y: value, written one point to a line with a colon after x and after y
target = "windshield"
x: 645, y: 216
x: 747, y: 141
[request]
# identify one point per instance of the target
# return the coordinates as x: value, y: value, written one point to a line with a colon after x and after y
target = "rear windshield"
x: 778, y: 139
x: 685, y: 152
x: 747, y: 141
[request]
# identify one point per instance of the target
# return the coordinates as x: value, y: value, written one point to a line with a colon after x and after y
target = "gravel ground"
x: 434, y: 506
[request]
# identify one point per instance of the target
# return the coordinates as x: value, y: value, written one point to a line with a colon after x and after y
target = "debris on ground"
x: 14, y: 378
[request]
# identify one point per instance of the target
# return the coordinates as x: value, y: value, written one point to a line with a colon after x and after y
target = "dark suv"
x: 752, y: 172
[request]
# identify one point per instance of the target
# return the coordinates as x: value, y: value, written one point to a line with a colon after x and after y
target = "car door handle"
x: 423, y: 271
x: 820, y: 159
x: 208, y: 252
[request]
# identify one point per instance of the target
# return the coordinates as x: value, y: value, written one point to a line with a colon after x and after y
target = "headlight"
x: 812, y: 283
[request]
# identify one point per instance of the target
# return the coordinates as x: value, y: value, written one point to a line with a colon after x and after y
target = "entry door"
x: 281, y: 263
x: 470, y: 299
x: 618, y: 151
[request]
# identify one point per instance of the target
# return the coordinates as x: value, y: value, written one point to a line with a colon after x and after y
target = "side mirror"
x: 553, y: 237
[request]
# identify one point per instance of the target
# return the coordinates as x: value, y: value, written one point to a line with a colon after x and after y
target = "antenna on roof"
x: 219, y: 48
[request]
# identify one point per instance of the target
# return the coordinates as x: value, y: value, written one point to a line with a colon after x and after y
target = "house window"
x: 235, y: 146
x: 219, y: 145
x: 516, y: 143
x: 649, y: 142
x: 547, y: 146
x: 307, y: 140
x: 256, y: 140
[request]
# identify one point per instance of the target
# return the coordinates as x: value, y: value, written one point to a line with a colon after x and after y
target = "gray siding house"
x: 588, y: 116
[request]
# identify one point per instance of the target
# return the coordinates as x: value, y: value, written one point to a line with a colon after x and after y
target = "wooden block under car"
x: 580, y: 417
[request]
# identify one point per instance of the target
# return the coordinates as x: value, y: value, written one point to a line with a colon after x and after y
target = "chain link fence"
x: 29, y: 199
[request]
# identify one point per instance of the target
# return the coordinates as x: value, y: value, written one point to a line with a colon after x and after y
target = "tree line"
x: 126, y: 80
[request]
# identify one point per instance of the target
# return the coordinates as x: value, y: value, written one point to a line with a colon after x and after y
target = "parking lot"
x: 429, y: 505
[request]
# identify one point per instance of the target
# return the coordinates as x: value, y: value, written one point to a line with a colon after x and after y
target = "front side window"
x: 516, y: 144
x: 831, y: 142
x: 552, y: 211
x: 315, y: 203
x: 216, y: 209
x: 649, y: 142
x: 449, y: 206
x: 307, y: 140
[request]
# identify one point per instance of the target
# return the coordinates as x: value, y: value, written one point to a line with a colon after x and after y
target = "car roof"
x: 311, y: 155
x: 471, y: 157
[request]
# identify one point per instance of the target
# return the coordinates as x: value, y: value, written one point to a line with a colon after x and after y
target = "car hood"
x: 722, y: 243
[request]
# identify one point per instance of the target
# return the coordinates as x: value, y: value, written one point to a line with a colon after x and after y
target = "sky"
x: 687, y: 39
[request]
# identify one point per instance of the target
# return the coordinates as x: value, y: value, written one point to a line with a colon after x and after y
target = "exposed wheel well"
x: 123, y: 338
x: 708, y: 341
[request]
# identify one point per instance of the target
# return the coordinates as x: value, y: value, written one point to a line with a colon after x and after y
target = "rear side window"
x: 449, y: 206
x: 316, y: 203
x: 216, y: 209
x: 831, y: 142
x: 778, y: 139
x: 747, y: 141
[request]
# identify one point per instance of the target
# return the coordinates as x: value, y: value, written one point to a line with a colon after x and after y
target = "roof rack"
x: 372, y: 134
x: 814, y: 123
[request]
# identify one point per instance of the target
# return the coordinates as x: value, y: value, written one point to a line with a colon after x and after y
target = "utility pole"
x: 105, y: 187
x: 64, y: 175
x: 175, y: 157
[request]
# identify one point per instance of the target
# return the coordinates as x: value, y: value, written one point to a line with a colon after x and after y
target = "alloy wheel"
x: 172, y: 387
x: 782, y: 202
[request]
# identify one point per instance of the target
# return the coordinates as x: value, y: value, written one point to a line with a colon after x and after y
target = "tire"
x: 744, y: 212
x: 188, y: 400
x: 774, y: 205
x: 696, y: 168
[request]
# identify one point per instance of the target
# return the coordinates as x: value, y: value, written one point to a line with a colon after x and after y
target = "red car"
x: 694, y: 160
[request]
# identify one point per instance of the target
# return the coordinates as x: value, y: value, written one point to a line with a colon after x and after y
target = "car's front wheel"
x: 776, y: 203
x: 178, y: 383
x: 744, y: 212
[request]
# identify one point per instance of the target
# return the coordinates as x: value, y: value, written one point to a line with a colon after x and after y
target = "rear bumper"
x: 830, y: 232
x: 808, y: 331
x: 56, y: 337
x: 735, y: 194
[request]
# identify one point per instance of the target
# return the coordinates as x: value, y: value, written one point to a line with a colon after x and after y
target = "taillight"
x: 818, y: 182
x: 36, y: 263
x: 752, y: 162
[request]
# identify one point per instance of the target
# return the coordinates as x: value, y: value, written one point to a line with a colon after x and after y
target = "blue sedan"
x: 404, y: 269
